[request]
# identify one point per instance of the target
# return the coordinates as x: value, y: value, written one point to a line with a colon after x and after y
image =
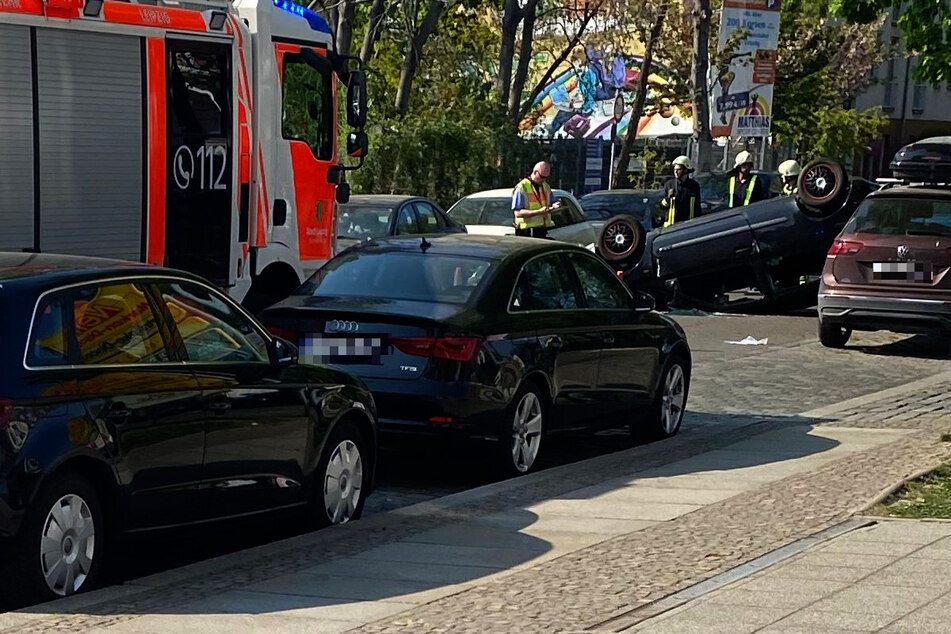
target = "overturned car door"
x: 704, y: 245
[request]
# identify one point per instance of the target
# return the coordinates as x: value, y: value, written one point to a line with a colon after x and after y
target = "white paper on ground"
x: 750, y: 341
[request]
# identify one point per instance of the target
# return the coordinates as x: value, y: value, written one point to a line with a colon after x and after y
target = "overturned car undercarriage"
x: 777, y: 246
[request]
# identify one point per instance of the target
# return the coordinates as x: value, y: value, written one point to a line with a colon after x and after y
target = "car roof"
x: 912, y: 191
x: 65, y: 268
x: 380, y: 199
x: 462, y: 244
x: 623, y: 192
x: 507, y: 193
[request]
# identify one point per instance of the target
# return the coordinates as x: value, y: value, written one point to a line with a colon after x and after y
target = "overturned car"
x: 777, y: 246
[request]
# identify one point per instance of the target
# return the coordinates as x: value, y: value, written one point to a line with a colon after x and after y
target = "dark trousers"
x: 532, y: 232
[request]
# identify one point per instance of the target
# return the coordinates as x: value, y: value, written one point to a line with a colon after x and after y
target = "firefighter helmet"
x: 742, y: 159
x: 789, y: 168
x: 682, y: 161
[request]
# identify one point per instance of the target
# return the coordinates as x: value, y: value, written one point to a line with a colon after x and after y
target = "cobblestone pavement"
x: 587, y: 588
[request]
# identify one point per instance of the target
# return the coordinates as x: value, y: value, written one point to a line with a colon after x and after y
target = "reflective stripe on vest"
x: 533, y: 202
x: 749, y: 189
x: 672, y: 211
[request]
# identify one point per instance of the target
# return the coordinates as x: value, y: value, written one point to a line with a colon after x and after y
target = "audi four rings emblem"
x: 338, y: 325
x: 903, y: 251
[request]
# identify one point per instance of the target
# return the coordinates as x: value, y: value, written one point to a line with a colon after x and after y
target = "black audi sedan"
x: 135, y: 398
x: 497, y: 338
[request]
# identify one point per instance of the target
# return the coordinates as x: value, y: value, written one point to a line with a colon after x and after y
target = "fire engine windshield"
x: 308, y: 113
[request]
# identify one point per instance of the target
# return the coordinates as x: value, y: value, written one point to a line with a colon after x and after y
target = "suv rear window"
x: 398, y: 275
x: 902, y: 216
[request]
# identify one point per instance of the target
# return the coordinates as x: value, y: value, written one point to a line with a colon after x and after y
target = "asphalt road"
x: 789, y: 374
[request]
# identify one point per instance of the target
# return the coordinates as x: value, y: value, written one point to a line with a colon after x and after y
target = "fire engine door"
x: 199, y: 217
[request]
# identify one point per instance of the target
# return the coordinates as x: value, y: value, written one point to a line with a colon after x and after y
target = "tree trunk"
x: 511, y: 16
x: 414, y: 53
x: 620, y: 173
x: 701, y: 102
x: 373, y: 28
x: 345, y: 16
x: 524, y: 58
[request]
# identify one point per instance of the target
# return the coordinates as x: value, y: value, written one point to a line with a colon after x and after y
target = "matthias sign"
x: 742, y: 90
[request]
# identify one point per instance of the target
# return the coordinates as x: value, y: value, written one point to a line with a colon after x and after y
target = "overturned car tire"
x: 823, y: 187
x: 621, y: 239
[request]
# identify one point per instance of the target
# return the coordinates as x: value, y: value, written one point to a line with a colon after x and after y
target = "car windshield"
x: 712, y: 186
x: 902, y: 216
x: 605, y: 206
x: 363, y: 222
x: 425, y: 277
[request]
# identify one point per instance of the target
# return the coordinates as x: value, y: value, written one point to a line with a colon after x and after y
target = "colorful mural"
x: 579, y: 102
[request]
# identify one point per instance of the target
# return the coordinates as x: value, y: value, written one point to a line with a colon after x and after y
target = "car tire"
x: 823, y: 186
x: 522, y: 435
x: 342, y: 477
x: 621, y: 239
x: 62, y: 544
x: 667, y: 409
x: 834, y: 336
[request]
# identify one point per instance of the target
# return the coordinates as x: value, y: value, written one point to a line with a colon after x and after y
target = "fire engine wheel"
x: 823, y: 185
x: 621, y: 239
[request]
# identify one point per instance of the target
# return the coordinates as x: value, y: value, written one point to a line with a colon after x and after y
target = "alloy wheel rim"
x: 343, y: 482
x: 672, y: 407
x: 820, y: 181
x: 619, y: 238
x: 67, y: 545
x: 526, y: 432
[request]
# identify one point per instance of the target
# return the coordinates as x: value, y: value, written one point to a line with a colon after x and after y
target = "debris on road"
x: 750, y: 341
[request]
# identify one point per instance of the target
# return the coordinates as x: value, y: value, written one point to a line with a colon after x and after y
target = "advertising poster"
x: 741, y: 100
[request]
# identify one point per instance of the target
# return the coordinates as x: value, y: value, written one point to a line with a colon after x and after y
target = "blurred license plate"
x: 338, y: 349
x: 913, y: 271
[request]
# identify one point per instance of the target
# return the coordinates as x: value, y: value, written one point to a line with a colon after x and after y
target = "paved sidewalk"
x: 893, y: 576
x: 578, y: 547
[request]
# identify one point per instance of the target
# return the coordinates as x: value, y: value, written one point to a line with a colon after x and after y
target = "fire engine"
x: 200, y: 135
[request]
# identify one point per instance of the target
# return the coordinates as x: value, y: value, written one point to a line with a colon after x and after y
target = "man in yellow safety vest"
x: 531, y: 203
x: 745, y: 188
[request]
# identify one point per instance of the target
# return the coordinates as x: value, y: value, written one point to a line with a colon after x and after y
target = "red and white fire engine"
x: 200, y: 135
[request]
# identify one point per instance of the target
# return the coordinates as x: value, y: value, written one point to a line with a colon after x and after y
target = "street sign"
x: 618, y: 107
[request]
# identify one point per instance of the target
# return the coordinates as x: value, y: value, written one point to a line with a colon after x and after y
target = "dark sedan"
x: 369, y: 216
x: 136, y: 398
x: 506, y: 339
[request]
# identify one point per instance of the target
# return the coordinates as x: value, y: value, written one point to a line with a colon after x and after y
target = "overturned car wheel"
x: 621, y: 239
x: 823, y: 186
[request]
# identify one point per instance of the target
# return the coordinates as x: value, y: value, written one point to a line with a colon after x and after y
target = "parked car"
x: 136, y: 398
x: 769, y: 245
x: 618, y: 239
x: 500, y: 338
x: 369, y: 216
x: 889, y: 268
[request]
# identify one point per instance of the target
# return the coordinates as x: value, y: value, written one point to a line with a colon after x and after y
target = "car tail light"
x: 283, y: 333
x: 845, y: 247
x: 450, y: 348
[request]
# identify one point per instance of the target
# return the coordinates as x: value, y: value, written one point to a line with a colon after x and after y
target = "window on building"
x: 919, y: 98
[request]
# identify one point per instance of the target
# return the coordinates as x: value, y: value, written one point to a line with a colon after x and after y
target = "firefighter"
x: 531, y: 204
x: 681, y: 194
x: 745, y: 188
x: 789, y: 171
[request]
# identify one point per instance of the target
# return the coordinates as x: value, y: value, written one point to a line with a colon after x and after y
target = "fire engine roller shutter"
x: 90, y: 113
x: 16, y: 139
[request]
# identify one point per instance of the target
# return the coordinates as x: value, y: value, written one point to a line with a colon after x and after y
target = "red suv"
x: 889, y: 268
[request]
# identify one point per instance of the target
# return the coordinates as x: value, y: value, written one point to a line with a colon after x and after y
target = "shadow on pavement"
x: 924, y: 346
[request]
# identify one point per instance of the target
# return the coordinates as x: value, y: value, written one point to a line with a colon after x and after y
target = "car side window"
x: 115, y: 324
x: 406, y: 221
x: 211, y: 329
x: 50, y: 335
x: 429, y: 218
x: 600, y: 288
x: 575, y: 212
x: 543, y: 285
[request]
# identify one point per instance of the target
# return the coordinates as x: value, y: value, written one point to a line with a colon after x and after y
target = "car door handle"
x: 553, y: 342
x: 219, y: 406
x: 608, y: 338
x: 116, y: 412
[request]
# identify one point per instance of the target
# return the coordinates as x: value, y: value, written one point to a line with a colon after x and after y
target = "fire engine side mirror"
x: 357, y: 99
x: 358, y: 144
x: 343, y: 193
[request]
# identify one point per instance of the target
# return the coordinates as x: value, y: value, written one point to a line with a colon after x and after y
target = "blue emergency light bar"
x: 316, y: 22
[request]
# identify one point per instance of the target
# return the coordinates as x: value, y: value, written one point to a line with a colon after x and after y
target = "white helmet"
x: 789, y: 168
x: 742, y: 158
x: 683, y: 161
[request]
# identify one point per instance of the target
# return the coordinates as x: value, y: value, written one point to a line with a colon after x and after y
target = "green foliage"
x: 929, y: 496
x: 834, y: 132
x: 925, y: 24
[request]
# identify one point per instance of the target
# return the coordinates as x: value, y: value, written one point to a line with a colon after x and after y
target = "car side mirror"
x: 358, y: 144
x: 283, y: 352
x: 643, y: 303
x: 357, y: 99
